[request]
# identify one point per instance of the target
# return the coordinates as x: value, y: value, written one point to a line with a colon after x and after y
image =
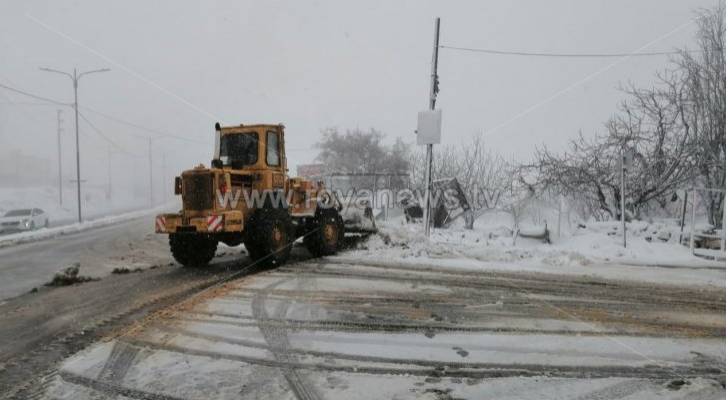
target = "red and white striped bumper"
x: 215, y: 223
x: 160, y: 225
x: 231, y: 221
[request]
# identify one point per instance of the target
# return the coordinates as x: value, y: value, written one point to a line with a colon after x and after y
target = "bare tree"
x: 586, y: 171
x: 590, y: 170
x: 362, y: 152
x: 703, y: 106
x: 676, y: 127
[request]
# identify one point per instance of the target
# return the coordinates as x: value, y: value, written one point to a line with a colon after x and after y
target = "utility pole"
x: 108, y: 177
x: 164, y: 180
x: 75, y: 78
x: 622, y: 168
x: 434, y: 88
x: 682, y: 219
x: 558, y: 226
x: 78, y: 146
x: 151, y: 181
x: 692, y: 222
x: 60, y: 163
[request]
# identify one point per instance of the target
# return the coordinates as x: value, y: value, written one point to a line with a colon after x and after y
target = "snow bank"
x: 95, y: 201
x: 47, y: 233
x: 653, y: 244
x: 595, y: 249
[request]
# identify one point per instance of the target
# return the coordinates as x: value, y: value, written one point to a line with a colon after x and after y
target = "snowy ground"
x: 595, y: 250
x: 321, y: 329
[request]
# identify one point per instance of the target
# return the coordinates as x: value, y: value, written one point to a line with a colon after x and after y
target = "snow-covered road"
x: 321, y: 329
x: 130, y: 243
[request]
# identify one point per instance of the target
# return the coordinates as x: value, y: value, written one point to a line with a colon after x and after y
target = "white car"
x: 27, y: 219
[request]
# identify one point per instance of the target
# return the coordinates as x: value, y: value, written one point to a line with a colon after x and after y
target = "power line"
x: 27, y: 103
x: 122, y: 66
x: 24, y: 111
x: 566, y: 55
x: 107, y: 116
x: 140, y: 127
x: 35, y: 96
x: 121, y: 121
x: 108, y: 139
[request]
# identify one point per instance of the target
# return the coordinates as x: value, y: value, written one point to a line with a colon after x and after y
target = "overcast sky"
x: 179, y: 66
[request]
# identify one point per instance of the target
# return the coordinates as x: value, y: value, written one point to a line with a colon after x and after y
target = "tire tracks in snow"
x: 442, y: 369
x: 36, y: 385
x: 533, y: 282
x: 698, y: 368
x: 277, y: 339
x: 119, y: 362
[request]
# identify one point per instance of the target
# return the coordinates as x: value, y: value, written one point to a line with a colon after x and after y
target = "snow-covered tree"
x: 676, y: 128
x: 702, y: 95
x: 363, y: 152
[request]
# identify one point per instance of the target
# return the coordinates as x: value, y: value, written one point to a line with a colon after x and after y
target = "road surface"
x: 321, y: 329
x: 100, y: 250
x: 341, y: 328
x: 40, y: 328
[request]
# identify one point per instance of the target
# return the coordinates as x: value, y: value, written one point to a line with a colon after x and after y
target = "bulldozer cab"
x: 250, y: 148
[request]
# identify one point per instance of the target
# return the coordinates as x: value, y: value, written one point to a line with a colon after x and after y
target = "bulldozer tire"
x: 192, y: 250
x: 269, y: 236
x: 325, y: 233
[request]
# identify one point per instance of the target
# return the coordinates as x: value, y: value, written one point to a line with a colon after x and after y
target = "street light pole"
x: 60, y: 166
x: 622, y: 168
x: 151, y: 180
x: 78, y: 147
x: 164, y: 178
x: 108, y: 176
x: 75, y: 78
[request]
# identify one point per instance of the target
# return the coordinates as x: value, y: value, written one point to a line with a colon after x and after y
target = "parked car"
x: 26, y: 219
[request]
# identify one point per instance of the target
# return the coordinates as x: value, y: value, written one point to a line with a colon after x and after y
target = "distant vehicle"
x: 27, y: 219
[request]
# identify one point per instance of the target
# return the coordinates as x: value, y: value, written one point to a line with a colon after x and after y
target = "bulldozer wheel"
x: 192, y: 250
x: 269, y: 236
x: 325, y: 233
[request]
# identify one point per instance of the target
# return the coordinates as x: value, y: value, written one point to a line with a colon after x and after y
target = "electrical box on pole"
x: 429, y: 127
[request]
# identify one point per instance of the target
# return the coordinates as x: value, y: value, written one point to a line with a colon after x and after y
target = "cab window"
x: 239, y: 149
x: 273, y: 151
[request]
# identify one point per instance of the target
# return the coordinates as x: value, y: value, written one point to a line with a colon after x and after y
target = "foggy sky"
x: 180, y: 66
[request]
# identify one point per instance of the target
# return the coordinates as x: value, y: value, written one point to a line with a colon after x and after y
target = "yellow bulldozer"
x: 246, y: 197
